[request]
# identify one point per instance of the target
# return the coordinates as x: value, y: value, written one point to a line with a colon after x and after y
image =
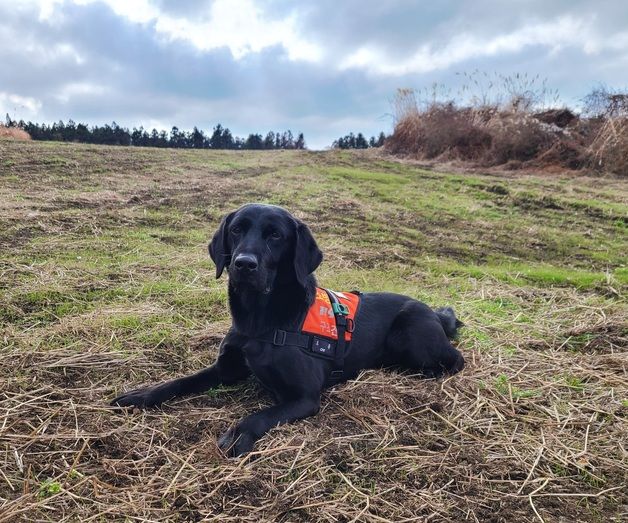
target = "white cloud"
x: 47, y: 8
x: 564, y: 32
x: 39, y: 51
x: 18, y: 107
x: 239, y: 25
x: 72, y: 90
x: 138, y: 11
x: 243, y: 27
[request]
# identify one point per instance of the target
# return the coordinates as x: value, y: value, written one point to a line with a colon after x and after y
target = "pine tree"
x: 269, y: 141
x: 215, y: 142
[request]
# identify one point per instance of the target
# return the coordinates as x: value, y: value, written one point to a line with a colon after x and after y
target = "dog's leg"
x: 241, y: 438
x: 230, y: 367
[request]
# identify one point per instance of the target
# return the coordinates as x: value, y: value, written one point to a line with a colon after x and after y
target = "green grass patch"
x: 505, y: 388
x: 48, y: 488
x: 519, y: 273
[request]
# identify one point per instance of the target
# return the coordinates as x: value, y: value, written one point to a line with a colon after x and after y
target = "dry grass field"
x: 105, y: 284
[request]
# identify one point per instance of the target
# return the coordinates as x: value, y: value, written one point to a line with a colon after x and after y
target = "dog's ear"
x: 307, y: 255
x: 219, y: 246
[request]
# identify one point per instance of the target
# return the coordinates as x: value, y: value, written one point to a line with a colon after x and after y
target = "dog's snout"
x: 246, y: 262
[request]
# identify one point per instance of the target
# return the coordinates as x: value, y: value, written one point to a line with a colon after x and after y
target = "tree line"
x: 220, y: 138
x: 359, y: 141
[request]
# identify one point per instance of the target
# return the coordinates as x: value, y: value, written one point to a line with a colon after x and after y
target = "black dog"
x: 270, y: 256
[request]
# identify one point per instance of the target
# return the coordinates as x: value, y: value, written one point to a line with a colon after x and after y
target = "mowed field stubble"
x: 105, y: 285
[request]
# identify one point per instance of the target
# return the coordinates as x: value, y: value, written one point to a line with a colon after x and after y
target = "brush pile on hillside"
x: 515, y: 133
x: 13, y: 133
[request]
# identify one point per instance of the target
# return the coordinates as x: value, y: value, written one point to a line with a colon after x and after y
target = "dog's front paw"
x: 142, y: 398
x: 236, y: 442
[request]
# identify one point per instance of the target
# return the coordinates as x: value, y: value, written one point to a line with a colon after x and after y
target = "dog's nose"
x: 245, y: 262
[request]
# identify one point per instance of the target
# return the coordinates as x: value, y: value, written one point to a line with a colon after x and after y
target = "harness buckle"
x: 279, y: 338
x: 340, y: 308
x: 350, y: 325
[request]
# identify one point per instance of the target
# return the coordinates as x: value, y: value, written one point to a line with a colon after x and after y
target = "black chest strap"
x: 280, y: 337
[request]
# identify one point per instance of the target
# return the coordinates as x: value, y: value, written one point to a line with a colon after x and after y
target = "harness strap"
x: 340, y: 313
x: 280, y: 337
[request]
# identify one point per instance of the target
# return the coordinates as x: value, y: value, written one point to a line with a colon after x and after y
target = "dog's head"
x: 263, y: 246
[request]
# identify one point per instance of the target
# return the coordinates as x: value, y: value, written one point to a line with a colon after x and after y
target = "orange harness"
x: 321, y: 319
x: 326, y: 330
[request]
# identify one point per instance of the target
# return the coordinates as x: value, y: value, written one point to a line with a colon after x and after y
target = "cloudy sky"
x: 321, y: 67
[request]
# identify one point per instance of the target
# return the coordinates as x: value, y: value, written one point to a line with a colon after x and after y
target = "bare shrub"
x: 13, y: 133
x: 484, y: 132
x: 436, y: 128
x: 511, y: 93
x: 440, y: 129
x: 404, y: 104
x: 451, y: 130
x: 516, y: 136
x: 609, y: 149
x: 513, y: 121
x: 607, y: 111
x: 604, y: 102
x: 407, y: 136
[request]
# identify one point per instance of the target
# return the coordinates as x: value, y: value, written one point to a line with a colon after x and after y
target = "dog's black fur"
x: 271, y: 256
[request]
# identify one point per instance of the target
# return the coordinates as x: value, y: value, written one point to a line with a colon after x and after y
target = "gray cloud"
x: 88, y: 63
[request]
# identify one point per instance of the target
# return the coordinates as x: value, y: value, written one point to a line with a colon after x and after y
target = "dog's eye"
x: 275, y: 235
x: 236, y: 230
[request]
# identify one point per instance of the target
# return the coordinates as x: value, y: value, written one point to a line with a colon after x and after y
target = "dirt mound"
x: 559, y: 117
x: 564, y: 153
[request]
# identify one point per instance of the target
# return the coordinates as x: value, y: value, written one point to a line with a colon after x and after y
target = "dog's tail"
x: 448, y: 319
